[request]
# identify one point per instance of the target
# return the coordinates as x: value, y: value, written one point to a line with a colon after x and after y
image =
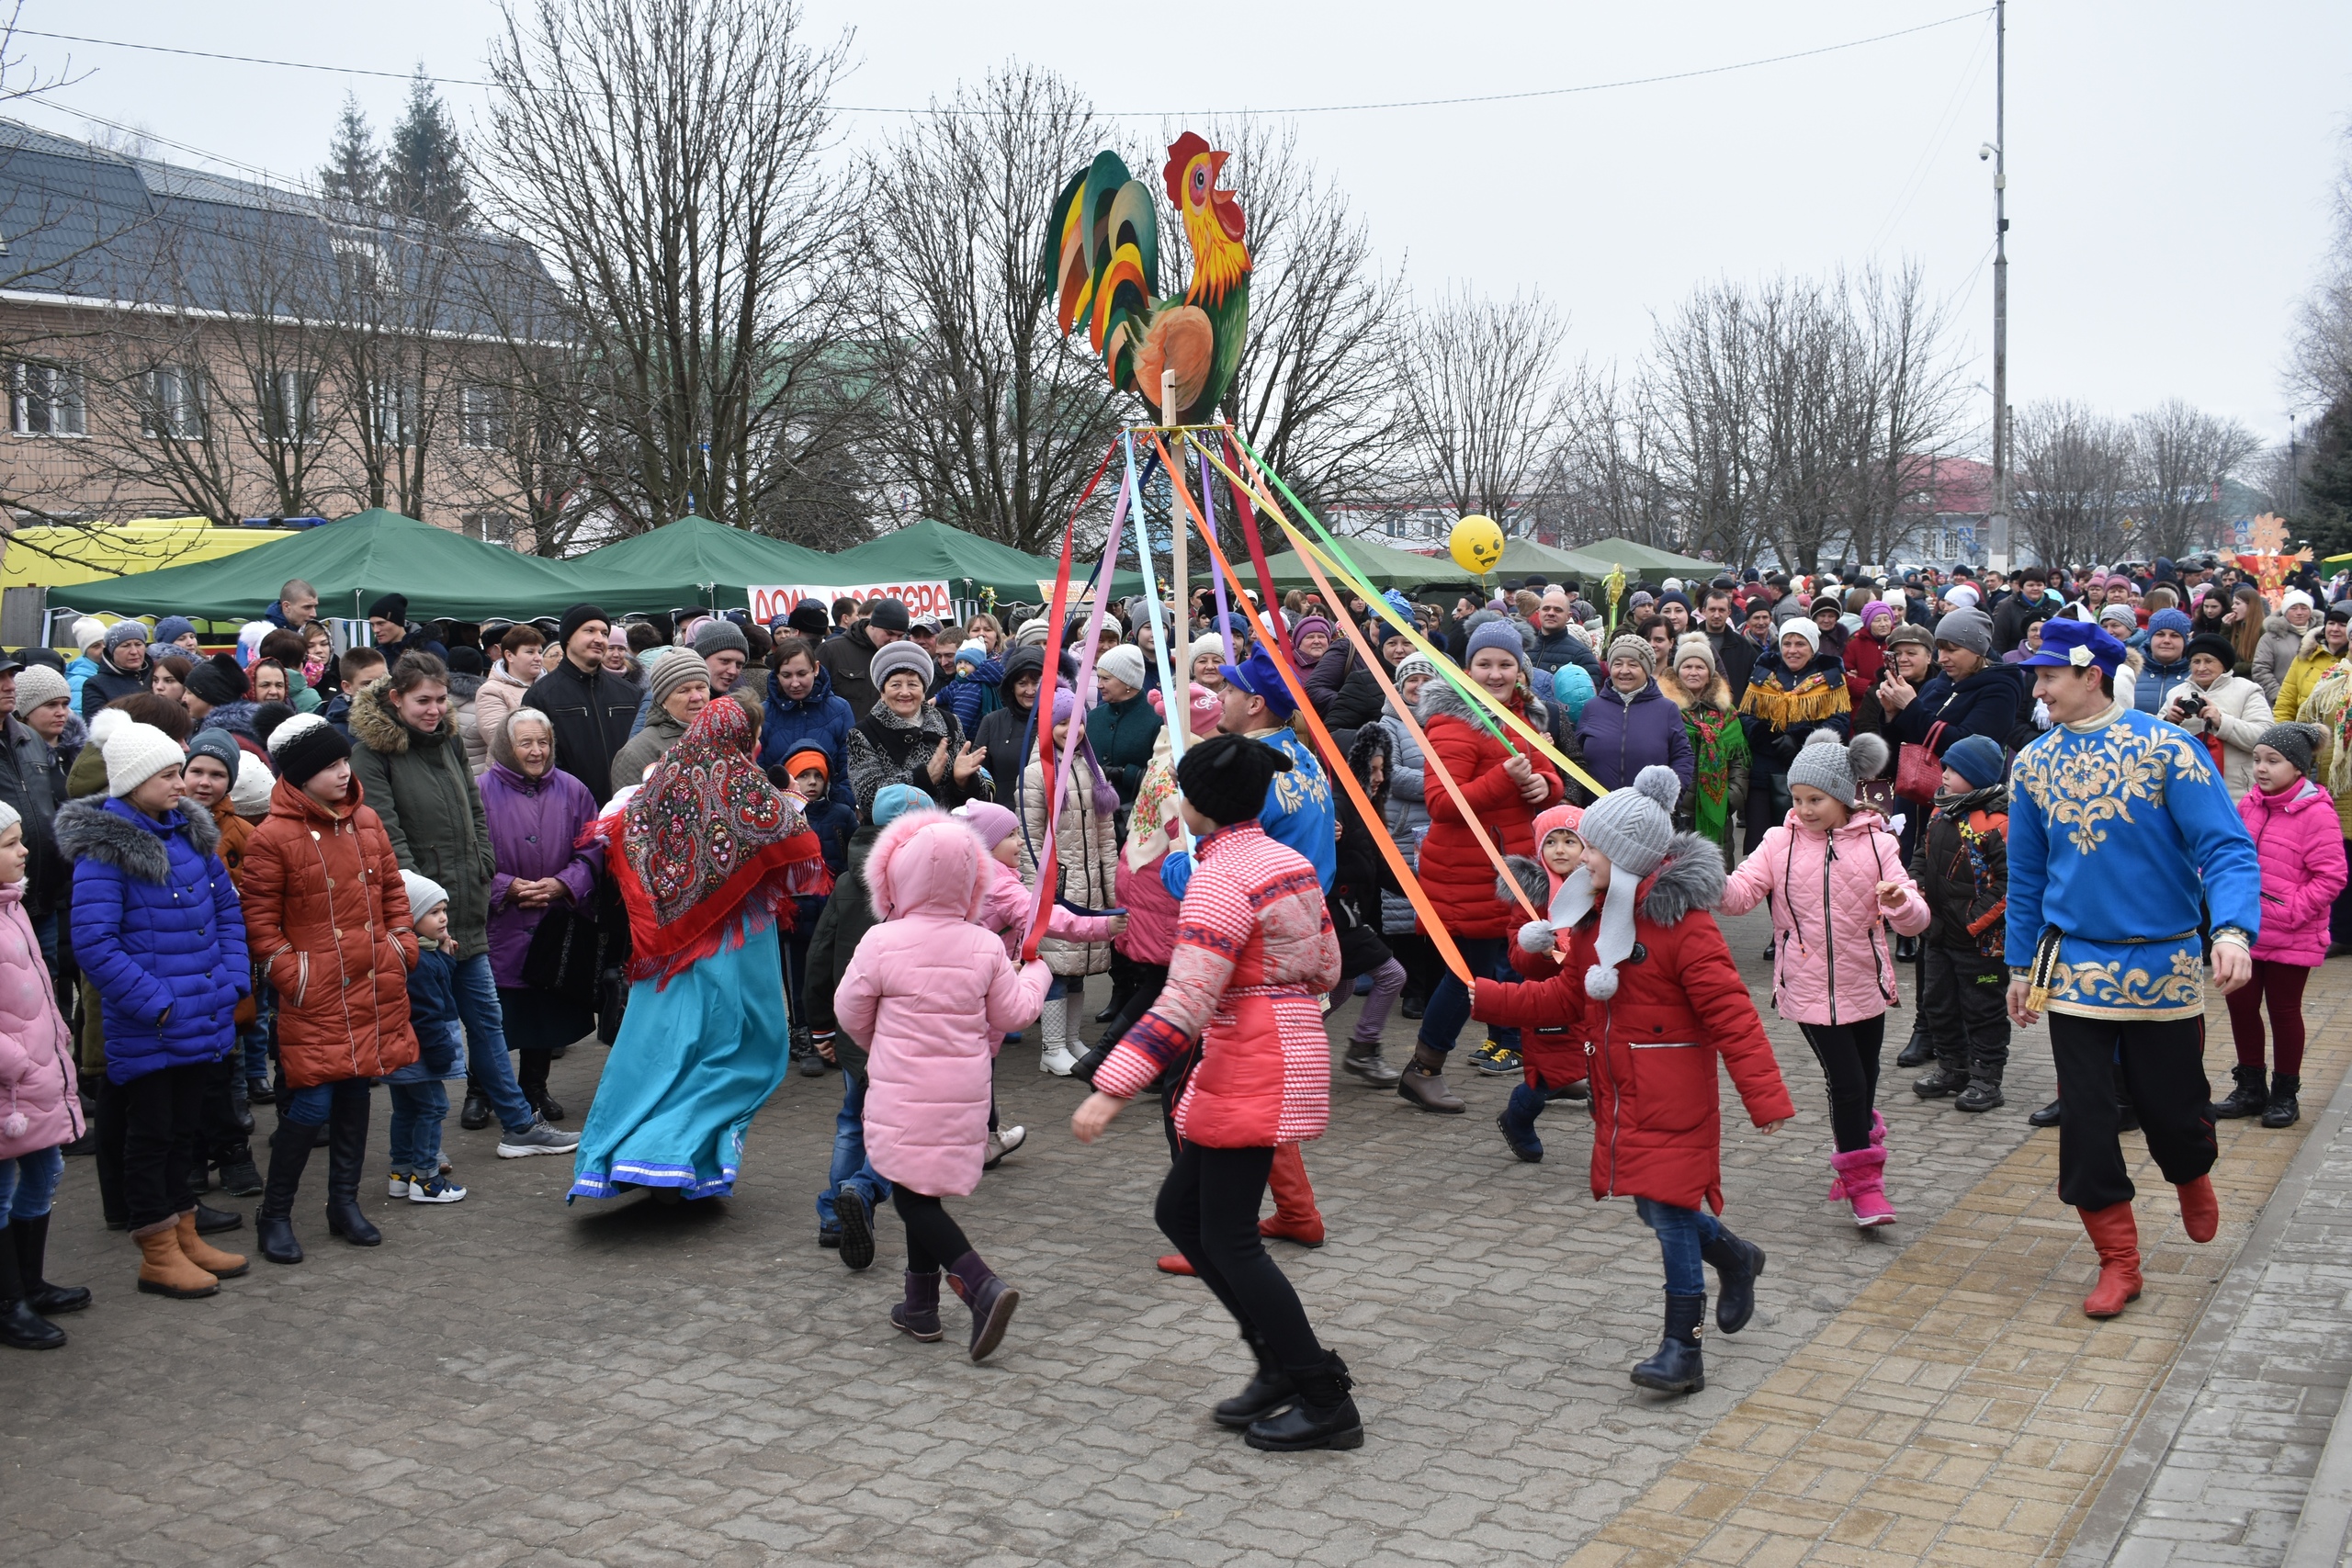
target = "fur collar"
x: 86, y: 829
x: 1690, y: 878
x: 376, y: 725
x: 1441, y: 701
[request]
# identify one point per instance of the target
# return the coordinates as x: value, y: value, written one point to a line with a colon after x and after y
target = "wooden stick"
x: 1181, y: 580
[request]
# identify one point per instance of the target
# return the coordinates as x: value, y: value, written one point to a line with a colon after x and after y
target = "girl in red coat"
x: 1241, y: 1019
x: 1551, y: 1056
x: 1645, y: 978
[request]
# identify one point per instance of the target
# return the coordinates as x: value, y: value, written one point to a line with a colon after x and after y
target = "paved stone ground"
x: 2230, y: 1485
x: 509, y: 1381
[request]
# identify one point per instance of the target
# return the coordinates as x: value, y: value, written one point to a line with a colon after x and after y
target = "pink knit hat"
x: 1205, y: 708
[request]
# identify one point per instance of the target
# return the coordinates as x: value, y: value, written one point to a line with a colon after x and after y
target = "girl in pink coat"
x: 1835, y: 879
x: 2293, y: 824
x: 40, y: 1111
x: 930, y: 993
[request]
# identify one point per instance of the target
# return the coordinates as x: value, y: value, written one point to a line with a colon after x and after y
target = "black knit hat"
x: 890, y: 614
x: 809, y: 618
x: 576, y: 618
x: 2213, y: 644
x: 390, y: 607
x: 1225, y: 777
x: 218, y: 680
x: 304, y: 747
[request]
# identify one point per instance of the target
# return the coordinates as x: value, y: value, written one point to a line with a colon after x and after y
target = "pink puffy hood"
x: 927, y: 863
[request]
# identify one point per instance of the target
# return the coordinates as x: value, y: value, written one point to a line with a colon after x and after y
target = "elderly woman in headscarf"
x: 1085, y: 849
x: 904, y: 739
x: 704, y: 854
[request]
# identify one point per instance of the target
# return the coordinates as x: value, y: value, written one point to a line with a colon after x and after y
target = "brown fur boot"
x: 164, y: 1270
x: 204, y: 1255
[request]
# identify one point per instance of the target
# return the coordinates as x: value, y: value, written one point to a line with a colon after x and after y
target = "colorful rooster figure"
x: 1104, y: 241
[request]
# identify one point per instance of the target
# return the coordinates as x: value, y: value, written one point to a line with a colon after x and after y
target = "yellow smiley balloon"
x: 1476, y: 544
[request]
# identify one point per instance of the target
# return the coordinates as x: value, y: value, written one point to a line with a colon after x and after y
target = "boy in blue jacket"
x: 420, y: 1099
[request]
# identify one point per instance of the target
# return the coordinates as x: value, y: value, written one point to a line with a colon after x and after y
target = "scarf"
x: 707, y: 840
x: 898, y: 737
x: 1717, y: 739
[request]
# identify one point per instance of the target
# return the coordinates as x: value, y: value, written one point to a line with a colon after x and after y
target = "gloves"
x: 1536, y: 936
x: 1176, y: 873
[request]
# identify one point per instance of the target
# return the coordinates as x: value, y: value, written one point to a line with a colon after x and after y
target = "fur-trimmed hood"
x: 1691, y: 877
x: 1438, y: 699
x: 378, y: 726
x: 927, y: 863
x: 88, y: 829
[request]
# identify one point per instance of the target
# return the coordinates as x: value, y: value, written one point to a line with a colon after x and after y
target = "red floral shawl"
x: 707, y: 838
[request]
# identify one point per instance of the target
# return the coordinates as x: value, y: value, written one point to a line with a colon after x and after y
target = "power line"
x: 1113, y: 114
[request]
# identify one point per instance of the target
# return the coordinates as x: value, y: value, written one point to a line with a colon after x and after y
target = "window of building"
x: 286, y: 400
x: 175, y: 405
x: 490, y: 527
x: 481, y: 417
x: 394, y: 415
x: 46, y: 399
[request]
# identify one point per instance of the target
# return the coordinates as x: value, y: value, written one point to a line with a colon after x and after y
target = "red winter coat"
x: 326, y: 914
x: 1456, y: 873
x: 1680, y: 1004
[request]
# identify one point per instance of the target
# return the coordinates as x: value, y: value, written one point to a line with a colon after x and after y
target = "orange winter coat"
x: 327, y: 918
x: 234, y: 833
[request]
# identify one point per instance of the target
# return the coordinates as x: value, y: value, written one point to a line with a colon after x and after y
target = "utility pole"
x: 1997, y: 556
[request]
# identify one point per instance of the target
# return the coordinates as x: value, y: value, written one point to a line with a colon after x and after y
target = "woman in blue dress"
x: 704, y: 854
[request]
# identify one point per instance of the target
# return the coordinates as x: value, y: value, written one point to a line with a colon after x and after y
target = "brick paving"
x: 507, y: 1380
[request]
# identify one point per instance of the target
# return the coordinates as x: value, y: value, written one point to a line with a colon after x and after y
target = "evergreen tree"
x: 2325, y: 515
x: 354, y: 170
x: 423, y: 178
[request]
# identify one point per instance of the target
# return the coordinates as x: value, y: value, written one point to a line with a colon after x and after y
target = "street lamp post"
x: 1997, y: 556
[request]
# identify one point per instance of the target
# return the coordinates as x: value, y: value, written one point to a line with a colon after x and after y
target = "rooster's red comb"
x: 1180, y: 152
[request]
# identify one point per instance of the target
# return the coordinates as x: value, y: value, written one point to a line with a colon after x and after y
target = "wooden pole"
x: 1181, y: 579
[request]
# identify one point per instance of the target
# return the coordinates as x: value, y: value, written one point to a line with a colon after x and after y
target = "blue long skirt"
x: 694, y: 1062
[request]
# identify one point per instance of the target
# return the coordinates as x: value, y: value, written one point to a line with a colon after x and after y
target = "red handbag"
x: 1918, y: 770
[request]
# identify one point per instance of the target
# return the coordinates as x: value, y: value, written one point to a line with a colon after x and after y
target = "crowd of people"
x: 861, y: 841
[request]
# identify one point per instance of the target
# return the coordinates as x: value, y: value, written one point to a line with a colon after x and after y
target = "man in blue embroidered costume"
x: 1298, y: 812
x: 2114, y: 797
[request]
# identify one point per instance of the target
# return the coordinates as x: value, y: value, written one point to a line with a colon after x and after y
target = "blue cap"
x: 171, y: 628
x: 1395, y: 600
x: 2076, y: 643
x: 2171, y: 620
x: 1978, y: 759
x: 1258, y: 676
x: 894, y: 801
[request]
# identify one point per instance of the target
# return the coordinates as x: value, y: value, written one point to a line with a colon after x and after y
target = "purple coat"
x: 1623, y: 736
x: 535, y: 824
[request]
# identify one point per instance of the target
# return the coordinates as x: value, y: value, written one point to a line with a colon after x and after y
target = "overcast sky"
x: 2170, y: 161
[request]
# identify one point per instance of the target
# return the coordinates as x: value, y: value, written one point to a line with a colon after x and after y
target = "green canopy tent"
x: 931, y: 551
x: 1378, y: 564
x: 692, y: 561
x: 1523, y: 555
x: 351, y: 563
x: 1640, y: 559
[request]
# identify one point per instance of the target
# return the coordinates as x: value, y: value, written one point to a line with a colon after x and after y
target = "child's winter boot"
x: 1678, y: 1367
x: 1863, y: 1174
x: 1052, y: 1029
x: 1269, y: 1390
x: 991, y: 1299
x: 918, y: 1315
x: 1323, y: 1417
x: 1736, y: 1264
x: 1517, y: 1120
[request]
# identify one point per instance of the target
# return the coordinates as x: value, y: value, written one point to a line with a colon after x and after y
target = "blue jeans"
x: 851, y: 1168
x: 1448, y: 1008
x: 313, y: 1106
x: 28, y: 1183
x: 45, y: 932
x: 1681, y: 1232
x: 488, y: 1068
x: 418, y: 1110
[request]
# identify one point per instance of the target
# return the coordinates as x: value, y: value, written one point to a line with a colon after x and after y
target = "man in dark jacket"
x: 590, y: 707
x: 2018, y: 608
x: 1734, y: 654
x: 849, y: 658
x: 387, y: 620
x: 1555, y: 644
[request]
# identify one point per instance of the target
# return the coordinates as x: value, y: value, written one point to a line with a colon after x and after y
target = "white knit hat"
x: 9, y: 817
x: 425, y: 895
x: 249, y: 796
x: 136, y: 754
x: 36, y: 684
x: 89, y: 629
x: 1123, y: 663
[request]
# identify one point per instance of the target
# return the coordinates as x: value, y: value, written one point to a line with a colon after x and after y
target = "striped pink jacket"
x: 1254, y: 956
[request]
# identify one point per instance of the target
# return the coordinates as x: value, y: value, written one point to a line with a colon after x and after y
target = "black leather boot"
x: 2284, y: 1109
x: 1268, y: 1389
x: 2248, y: 1099
x: 22, y: 1328
x: 347, y: 1162
x: 239, y: 1179
x: 290, y: 1151
x: 1678, y: 1367
x: 1917, y: 1052
x: 2048, y: 1116
x: 474, y: 1115
x: 1324, y: 1416
x: 1736, y: 1264
x: 32, y: 1256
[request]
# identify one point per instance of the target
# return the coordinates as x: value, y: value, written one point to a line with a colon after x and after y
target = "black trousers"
x: 1848, y: 1056
x: 933, y: 1239
x: 1964, y: 1005
x: 2161, y: 1067
x: 1209, y: 1207
x: 161, y: 1112
x: 1146, y: 981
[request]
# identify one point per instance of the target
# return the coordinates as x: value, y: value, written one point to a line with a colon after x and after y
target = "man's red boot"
x: 2200, y: 1210
x: 1295, y: 1217
x: 2117, y: 1237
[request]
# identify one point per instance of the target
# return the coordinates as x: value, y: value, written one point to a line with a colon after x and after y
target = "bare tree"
x: 993, y: 424
x: 1478, y: 379
x: 2319, y: 362
x: 666, y: 159
x: 2075, y: 472
x: 1606, y: 478
x: 2181, y: 453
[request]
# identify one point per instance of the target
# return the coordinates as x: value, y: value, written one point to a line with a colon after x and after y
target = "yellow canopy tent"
x: 51, y: 555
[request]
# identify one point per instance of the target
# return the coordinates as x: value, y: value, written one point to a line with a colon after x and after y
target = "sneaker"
x: 858, y: 1227
x: 538, y: 1138
x: 398, y: 1186
x: 1003, y: 1141
x: 1495, y: 1060
x: 829, y: 1236
x: 1983, y: 1094
x: 435, y: 1188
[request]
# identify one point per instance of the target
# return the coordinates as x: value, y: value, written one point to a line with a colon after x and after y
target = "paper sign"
x: 920, y: 598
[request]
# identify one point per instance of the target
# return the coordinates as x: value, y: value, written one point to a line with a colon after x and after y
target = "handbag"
x: 1919, y: 771
x: 563, y: 954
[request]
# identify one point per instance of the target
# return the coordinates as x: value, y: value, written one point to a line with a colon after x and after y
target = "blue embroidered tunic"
x: 2117, y: 826
x: 1298, y: 813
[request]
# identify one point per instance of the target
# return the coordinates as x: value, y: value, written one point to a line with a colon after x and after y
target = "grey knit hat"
x: 1968, y: 628
x: 1834, y: 768
x: 1636, y: 649
x: 2299, y: 743
x: 897, y: 656
x: 676, y: 668
x: 716, y: 636
x: 1631, y: 827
